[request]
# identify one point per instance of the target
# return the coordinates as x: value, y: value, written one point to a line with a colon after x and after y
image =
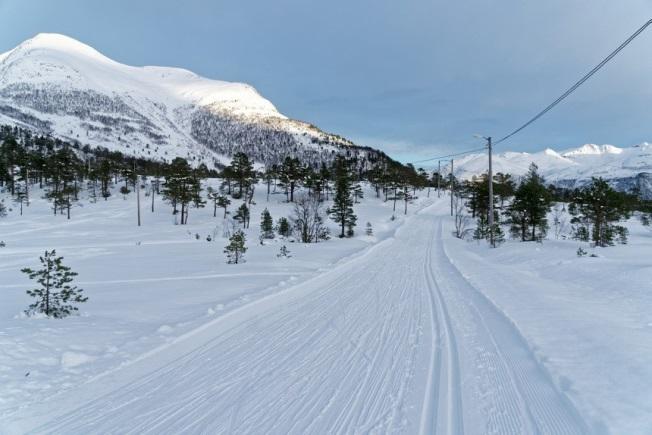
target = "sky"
x: 415, y: 78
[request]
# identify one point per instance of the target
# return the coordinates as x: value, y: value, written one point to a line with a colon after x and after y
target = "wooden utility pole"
x: 438, y: 178
x: 452, y: 187
x: 491, y: 198
x: 137, y: 192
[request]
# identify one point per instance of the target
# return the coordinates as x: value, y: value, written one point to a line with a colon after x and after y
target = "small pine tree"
x: 369, y: 230
x: 283, y: 227
x: 3, y: 209
x: 266, y: 225
x: 236, y: 248
x: 55, y: 292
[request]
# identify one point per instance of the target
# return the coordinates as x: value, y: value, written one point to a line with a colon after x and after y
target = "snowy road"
x: 393, y: 341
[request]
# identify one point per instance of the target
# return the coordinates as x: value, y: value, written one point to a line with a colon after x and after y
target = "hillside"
x: 55, y: 85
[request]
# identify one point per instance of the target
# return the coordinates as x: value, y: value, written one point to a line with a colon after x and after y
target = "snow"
x: 409, y: 331
x: 147, y: 286
x: 53, y: 59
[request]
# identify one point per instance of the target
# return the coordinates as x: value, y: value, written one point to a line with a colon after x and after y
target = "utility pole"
x: 438, y: 178
x: 137, y: 192
x: 491, y: 197
x: 452, y: 187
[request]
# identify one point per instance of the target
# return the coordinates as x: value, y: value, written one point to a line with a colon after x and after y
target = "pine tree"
x: 342, y: 209
x: 54, y: 294
x: 242, y: 171
x: 283, y: 227
x: 223, y: 202
x: 369, y: 230
x: 105, y: 175
x: 266, y: 225
x: 236, y: 248
x: 213, y: 196
x: 242, y: 215
x: 595, y: 209
x: 529, y: 209
x: 291, y: 175
x: 182, y: 187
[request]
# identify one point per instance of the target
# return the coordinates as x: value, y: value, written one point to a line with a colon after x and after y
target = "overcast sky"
x: 415, y: 78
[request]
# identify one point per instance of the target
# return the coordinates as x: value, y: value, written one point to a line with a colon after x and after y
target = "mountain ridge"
x: 627, y: 168
x: 56, y: 85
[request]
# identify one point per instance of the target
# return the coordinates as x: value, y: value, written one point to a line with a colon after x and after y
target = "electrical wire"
x: 562, y: 97
x: 579, y: 83
x: 450, y: 155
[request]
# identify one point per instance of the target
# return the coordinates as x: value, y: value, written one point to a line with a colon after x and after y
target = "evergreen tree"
x: 213, y: 196
x: 283, y: 227
x: 223, y: 202
x: 291, y: 175
x: 242, y: 171
x: 182, y: 188
x: 242, y: 215
x: 529, y: 209
x: 369, y: 230
x: 54, y: 294
x: 595, y: 210
x: 342, y: 208
x: 266, y: 225
x: 236, y: 248
x: 105, y: 175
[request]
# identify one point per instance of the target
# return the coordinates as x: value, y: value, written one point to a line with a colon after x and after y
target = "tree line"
x: 524, y: 208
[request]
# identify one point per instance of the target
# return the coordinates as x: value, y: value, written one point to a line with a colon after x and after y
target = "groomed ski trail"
x: 393, y: 341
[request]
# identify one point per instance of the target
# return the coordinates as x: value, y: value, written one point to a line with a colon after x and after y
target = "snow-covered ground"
x: 146, y: 286
x: 411, y: 331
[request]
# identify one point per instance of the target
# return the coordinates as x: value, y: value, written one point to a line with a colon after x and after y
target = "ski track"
x: 394, y: 341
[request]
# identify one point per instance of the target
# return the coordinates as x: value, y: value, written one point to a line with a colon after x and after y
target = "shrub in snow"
x: 54, y: 294
x: 284, y: 252
x: 581, y: 252
x: 308, y: 221
x: 369, y: 230
x: 236, y: 248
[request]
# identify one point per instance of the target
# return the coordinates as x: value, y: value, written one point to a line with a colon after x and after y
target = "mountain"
x: 627, y: 169
x: 55, y: 85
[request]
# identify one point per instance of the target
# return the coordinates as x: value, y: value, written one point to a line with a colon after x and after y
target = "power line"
x: 461, y: 153
x: 579, y: 82
x: 557, y: 101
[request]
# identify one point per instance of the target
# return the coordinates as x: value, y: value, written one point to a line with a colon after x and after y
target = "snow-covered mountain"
x: 626, y: 168
x: 56, y: 85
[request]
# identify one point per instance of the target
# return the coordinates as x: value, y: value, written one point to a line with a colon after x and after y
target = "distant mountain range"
x: 55, y: 85
x: 627, y: 168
